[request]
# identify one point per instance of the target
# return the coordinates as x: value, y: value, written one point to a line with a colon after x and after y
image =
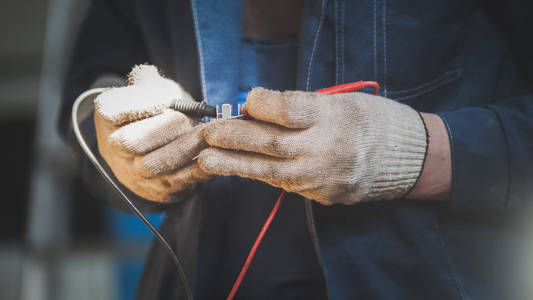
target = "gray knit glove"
x: 342, y: 148
x: 149, y: 146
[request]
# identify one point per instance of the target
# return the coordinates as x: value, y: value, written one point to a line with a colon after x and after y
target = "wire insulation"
x: 342, y: 88
x: 256, y: 245
x: 87, y: 150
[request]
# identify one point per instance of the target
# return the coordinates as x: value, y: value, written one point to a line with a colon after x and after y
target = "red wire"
x: 342, y: 88
x: 256, y: 245
x: 350, y: 87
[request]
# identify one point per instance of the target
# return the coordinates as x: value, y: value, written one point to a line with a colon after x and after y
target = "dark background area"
x: 23, y: 26
x: 56, y: 242
x: 13, y: 216
x: 20, y: 58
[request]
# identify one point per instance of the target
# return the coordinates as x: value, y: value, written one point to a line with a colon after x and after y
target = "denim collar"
x: 218, y: 29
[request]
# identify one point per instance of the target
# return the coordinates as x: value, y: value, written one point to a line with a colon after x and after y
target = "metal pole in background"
x: 44, y: 269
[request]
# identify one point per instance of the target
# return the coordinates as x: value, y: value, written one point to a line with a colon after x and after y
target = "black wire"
x: 125, y: 198
x: 156, y: 233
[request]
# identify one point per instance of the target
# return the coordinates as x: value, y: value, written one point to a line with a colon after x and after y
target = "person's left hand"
x: 342, y: 148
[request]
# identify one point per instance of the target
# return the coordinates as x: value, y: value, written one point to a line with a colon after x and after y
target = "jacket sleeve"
x: 492, y: 155
x: 492, y: 146
x: 108, y: 43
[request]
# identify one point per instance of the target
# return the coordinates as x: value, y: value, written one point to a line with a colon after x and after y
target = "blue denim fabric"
x: 367, y: 250
x: 286, y: 266
x: 218, y: 41
x: 468, y: 61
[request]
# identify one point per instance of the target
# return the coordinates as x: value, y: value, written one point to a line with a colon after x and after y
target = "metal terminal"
x: 224, y: 112
x: 201, y: 109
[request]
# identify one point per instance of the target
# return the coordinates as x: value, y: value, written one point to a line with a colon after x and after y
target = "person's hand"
x: 149, y: 146
x: 342, y: 148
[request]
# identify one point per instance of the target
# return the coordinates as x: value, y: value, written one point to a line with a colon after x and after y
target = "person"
x: 420, y: 192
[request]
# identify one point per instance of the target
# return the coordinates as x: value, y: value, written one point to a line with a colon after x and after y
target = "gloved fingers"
x: 174, y: 155
x: 184, y: 177
x: 292, y: 109
x: 273, y: 170
x: 141, y: 137
x: 104, y: 127
x: 163, y: 188
x: 148, y: 94
x: 131, y: 103
x: 256, y: 136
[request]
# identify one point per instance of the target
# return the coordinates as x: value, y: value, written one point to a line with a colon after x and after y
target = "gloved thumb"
x: 148, y: 94
x: 144, y: 74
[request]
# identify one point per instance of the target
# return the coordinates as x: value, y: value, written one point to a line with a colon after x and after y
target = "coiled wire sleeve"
x: 195, y: 109
x: 87, y: 150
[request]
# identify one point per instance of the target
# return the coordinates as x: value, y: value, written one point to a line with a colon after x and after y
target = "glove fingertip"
x: 214, y: 133
x: 143, y: 73
x: 257, y: 96
x: 209, y: 161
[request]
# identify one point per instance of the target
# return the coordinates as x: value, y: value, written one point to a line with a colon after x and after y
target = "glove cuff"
x: 401, y: 159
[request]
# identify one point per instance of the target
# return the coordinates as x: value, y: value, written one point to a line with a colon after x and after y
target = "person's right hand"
x: 149, y: 146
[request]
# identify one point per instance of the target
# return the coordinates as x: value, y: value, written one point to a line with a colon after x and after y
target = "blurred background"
x: 56, y: 242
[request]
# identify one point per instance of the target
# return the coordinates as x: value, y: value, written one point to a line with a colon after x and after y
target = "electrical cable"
x: 251, y: 255
x: 196, y: 110
x: 87, y: 150
x: 341, y: 88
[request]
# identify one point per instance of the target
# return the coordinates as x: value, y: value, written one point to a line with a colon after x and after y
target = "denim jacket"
x: 467, y: 61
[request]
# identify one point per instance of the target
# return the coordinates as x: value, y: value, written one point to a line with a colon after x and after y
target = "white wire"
x: 87, y: 150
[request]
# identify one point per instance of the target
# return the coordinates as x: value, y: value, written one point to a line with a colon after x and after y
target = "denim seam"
x: 426, y: 85
x: 458, y: 288
x: 315, y: 44
x: 507, y: 158
x: 385, y: 48
x: 427, y: 90
x: 375, y: 43
x: 200, y: 49
x: 337, y: 40
x: 311, y: 225
x: 342, y: 42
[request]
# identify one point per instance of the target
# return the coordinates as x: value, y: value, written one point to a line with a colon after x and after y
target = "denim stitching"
x: 375, y: 43
x: 427, y: 90
x: 342, y: 43
x: 507, y: 194
x: 337, y: 40
x: 315, y: 44
x: 200, y: 49
x: 385, y: 48
x: 458, y: 287
x: 453, y: 74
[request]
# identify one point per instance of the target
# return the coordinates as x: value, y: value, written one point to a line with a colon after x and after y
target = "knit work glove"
x: 149, y: 146
x: 342, y: 148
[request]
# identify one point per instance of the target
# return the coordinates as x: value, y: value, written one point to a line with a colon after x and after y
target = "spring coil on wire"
x: 195, y: 109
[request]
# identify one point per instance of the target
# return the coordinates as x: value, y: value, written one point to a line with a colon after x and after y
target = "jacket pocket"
x: 431, y: 85
x: 423, y: 46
